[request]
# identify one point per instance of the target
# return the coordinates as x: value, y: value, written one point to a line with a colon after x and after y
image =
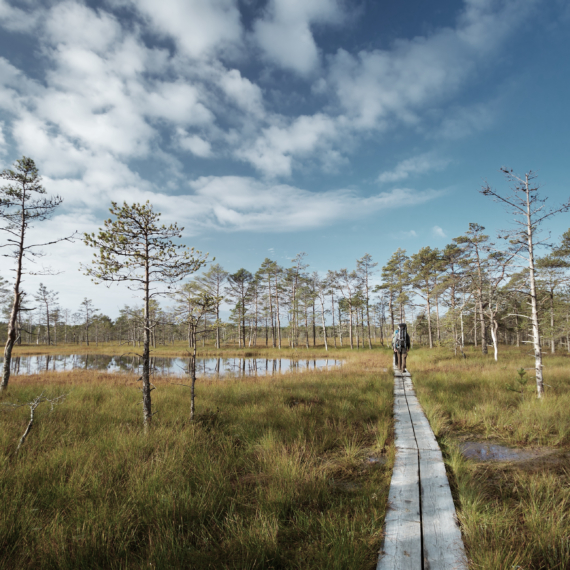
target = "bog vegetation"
x: 288, y: 473
x: 513, y: 514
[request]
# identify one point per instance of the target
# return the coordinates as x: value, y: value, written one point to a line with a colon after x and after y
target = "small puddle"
x: 350, y: 486
x: 376, y: 460
x: 494, y: 452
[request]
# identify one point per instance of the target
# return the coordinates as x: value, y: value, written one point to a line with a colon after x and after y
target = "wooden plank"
x: 419, y: 465
x: 424, y: 434
x: 443, y: 545
x: 405, y: 437
x: 402, y: 539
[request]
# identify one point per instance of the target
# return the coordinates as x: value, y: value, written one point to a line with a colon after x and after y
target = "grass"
x: 513, y: 515
x: 273, y: 474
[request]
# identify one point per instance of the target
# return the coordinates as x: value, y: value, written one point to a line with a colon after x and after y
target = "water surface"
x: 165, y: 366
x: 494, y: 452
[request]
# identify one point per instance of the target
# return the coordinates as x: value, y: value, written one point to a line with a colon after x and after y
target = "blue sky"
x: 271, y: 127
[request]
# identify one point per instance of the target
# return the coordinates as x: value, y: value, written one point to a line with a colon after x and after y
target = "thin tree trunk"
x: 321, y: 299
x: 428, y: 309
x: 306, y: 327
x: 494, y: 328
x: 552, y: 343
x: 314, y: 325
x: 333, y: 327
x: 438, y: 330
x: 350, y: 327
x: 12, y: 323
x: 483, y: 327
x: 278, y: 316
x: 533, y: 300
x: 475, y: 324
x: 193, y: 372
x: 146, y: 388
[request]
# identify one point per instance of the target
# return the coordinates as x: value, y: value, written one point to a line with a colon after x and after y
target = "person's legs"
x: 403, y: 358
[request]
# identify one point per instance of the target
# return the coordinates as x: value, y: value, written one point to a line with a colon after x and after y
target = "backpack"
x: 401, y: 343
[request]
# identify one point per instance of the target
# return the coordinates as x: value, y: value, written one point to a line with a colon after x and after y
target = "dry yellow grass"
x: 273, y: 474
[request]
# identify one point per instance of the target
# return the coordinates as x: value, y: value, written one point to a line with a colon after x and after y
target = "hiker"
x: 401, y: 344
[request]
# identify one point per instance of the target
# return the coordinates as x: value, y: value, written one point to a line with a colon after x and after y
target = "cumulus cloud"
x: 242, y: 92
x: 194, y: 144
x: 3, y: 145
x: 276, y: 147
x: 200, y: 28
x: 379, y: 86
x: 108, y: 97
x: 76, y: 25
x: 17, y: 19
x: 285, y: 35
x: 438, y: 232
x: 107, y: 92
x: 416, y: 165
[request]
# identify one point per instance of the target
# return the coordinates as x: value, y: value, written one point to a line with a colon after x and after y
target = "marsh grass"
x: 271, y: 475
x: 517, y: 514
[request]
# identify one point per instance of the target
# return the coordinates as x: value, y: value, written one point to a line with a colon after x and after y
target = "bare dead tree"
x: 529, y: 210
x: 33, y: 404
x: 192, y: 309
x: 321, y: 287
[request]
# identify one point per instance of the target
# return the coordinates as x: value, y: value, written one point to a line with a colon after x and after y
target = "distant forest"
x: 455, y: 296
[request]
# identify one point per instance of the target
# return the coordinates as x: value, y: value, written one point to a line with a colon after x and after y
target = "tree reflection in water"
x: 164, y: 366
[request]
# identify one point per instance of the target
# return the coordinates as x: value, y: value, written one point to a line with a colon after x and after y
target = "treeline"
x: 463, y: 294
x: 275, y: 306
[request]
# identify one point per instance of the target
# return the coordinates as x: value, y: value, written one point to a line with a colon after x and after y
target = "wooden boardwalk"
x: 421, y: 530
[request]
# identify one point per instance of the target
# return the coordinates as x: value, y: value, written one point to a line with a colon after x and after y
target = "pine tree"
x: 23, y: 202
x: 134, y: 248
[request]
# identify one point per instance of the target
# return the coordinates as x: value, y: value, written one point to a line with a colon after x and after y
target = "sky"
x: 271, y: 127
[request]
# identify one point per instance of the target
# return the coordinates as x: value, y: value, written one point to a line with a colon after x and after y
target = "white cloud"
x: 274, y: 150
x: 415, y: 165
x: 376, y: 88
x: 105, y: 92
x: 462, y: 121
x: 77, y: 25
x: 285, y: 35
x: 200, y: 27
x: 195, y: 145
x: 242, y: 92
x: 225, y: 203
x: 3, y: 145
x: 178, y: 103
x: 234, y: 203
x: 18, y: 20
x: 438, y: 232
